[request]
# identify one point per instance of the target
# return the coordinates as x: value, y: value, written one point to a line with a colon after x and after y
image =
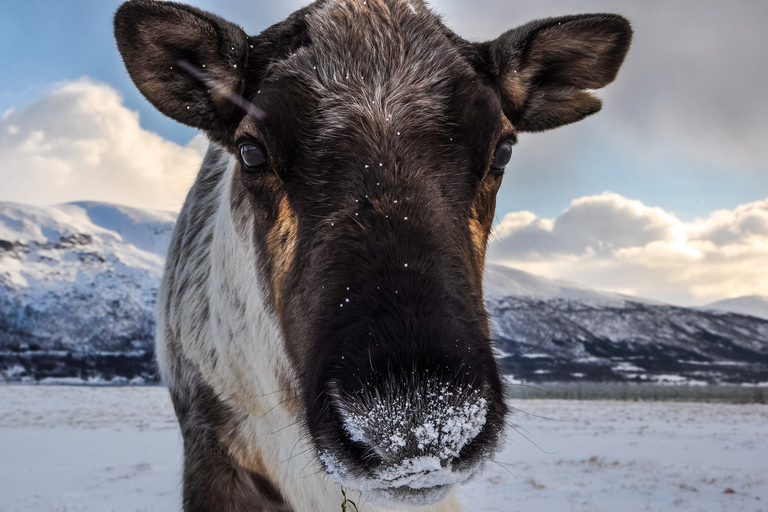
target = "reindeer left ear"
x: 546, y: 68
x: 188, y: 63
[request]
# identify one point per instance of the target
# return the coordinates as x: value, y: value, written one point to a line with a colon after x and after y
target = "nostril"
x: 366, y: 455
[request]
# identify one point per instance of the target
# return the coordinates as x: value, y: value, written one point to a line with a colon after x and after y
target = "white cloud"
x: 80, y: 142
x: 691, y: 82
x: 615, y: 243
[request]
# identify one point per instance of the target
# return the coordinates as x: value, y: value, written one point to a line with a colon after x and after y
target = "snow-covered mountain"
x: 78, y: 285
x: 553, y: 330
x: 501, y: 281
x: 77, y: 289
x: 753, y: 305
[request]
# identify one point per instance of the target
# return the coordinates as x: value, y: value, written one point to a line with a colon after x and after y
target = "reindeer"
x: 321, y: 315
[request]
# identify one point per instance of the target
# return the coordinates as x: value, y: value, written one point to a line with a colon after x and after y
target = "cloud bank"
x: 691, y: 81
x: 614, y: 243
x: 79, y: 142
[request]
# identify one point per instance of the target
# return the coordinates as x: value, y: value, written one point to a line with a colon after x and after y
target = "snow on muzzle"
x: 410, y: 443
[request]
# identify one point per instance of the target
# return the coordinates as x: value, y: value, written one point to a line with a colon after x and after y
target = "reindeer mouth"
x: 410, y: 442
x: 416, y: 482
x: 422, y: 489
x: 408, y: 496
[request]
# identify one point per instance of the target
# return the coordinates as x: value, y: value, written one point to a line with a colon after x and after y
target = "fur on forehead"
x: 378, y: 53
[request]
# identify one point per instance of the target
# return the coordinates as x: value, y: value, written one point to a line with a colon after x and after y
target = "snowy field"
x: 73, y: 449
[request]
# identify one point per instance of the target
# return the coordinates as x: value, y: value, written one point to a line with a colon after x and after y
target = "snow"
x: 501, y: 281
x: 437, y: 421
x: 754, y: 305
x: 583, y: 336
x: 81, y: 275
x: 85, y: 449
x: 79, y: 449
x: 629, y: 456
x: 628, y: 367
x: 444, y: 429
x: 146, y: 230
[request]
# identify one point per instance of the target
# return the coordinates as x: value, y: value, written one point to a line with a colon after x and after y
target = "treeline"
x: 638, y: 392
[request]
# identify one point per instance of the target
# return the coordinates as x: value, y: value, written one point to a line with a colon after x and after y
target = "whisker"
x: 276, y: 392
x: 356, y: 221
x: 362, y: 503
x: 504, y: 468
x: 534, y: 444
x: 290, y: 455
x: 305, y: 466
x: 544, y: 339
x: 277, y: 405
x: 541, y: 391
x: 513, y: 425
x: 301, y: 453
x: 540, y: 417
x: 285, y: 427
x: 313, y: 474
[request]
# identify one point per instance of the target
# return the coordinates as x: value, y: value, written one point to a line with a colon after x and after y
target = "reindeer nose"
x: 423, y: 432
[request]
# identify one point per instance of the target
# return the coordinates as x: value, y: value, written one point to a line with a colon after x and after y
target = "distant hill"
x: 501, y: 281
x: 557, y: 331
x: 753, y: 305
x: 77, y: 298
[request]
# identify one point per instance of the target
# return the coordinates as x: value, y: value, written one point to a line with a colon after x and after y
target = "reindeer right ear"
x: 188, y: 63
x: 547, y: 69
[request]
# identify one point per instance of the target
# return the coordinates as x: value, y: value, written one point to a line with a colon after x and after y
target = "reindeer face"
x: 370, y: 143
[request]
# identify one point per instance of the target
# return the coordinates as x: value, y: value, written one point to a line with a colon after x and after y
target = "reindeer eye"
x: 253, y: 157
x: 502, y: 157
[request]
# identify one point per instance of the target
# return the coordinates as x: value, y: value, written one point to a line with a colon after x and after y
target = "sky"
x: 663, y: 194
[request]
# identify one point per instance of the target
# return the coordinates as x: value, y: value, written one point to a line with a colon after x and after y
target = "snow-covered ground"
x: 73, y: 449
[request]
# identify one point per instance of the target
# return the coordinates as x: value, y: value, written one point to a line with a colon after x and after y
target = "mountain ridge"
x: 750, y: 305
x: 78, y: 283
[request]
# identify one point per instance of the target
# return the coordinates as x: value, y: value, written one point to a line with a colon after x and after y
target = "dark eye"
x: 253, y: 157
x: 502, y: 157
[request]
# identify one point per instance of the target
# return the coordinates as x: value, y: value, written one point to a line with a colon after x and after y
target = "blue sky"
x: 48, y: 42
x: 683, y: 129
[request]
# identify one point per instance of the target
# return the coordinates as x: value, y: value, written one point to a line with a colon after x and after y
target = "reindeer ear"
x: 188, y: 63
x: 546, y: 68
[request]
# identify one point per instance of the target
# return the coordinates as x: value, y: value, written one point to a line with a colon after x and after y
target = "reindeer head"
x: 370, y: 142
